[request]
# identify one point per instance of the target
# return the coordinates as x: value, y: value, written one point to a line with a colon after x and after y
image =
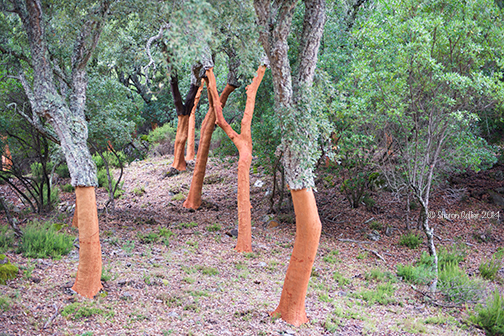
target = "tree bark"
x: 87, y: 281
x: 192, y: 126
x: 69, y: 123
x: 292, y: 99
x: 243, y: 143
x: 308, y: 228
x: 193, y: 200
x: 183, y: 111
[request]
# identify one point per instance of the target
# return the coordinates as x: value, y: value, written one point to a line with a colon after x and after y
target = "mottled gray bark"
x: 292, y: 94
x: 68, y: 120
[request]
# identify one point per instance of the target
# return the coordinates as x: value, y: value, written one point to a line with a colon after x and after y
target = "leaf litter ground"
x: 188, y: 280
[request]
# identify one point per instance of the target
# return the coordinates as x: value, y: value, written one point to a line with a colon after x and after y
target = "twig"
x: 369, y: 220
x: 374, y: 252
x: 353, y: 241
x: 360, y: 245
x: 51, y: 319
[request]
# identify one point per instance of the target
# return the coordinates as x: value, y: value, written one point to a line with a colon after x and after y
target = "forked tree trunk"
x: 243, y: 143
x: 308, y: 228
x: 193, y: 200
x: 87, y: 281
x: 298, y: 142
x: 183, y: 111
x: 192, y: 126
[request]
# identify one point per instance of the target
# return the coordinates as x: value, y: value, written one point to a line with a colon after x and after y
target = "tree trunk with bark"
x: 193, y: 200
x: 243, y: 143
x: 192, y: 126
x: 69, y: 123
x: 298, y: 143
x: 183, y: 112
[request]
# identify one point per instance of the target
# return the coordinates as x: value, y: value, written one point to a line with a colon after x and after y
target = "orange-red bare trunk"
x: 243, y: 143
x: 308, y: 228
x: 179, y: 162
x: 87, y: 281
x: 193, y: 200
x: 192, y: 126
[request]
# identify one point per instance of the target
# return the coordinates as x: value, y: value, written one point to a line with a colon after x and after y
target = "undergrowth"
x: 43, y: 240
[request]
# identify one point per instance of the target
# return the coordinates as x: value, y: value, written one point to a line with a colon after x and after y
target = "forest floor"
x: 194, y: 283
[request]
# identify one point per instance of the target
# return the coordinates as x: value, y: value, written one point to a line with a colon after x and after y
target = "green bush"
x: 6, y: 238
x: 44, y: 241
x: 62, y: 171
x: 457, y: 287
x: 488, y: 269
x: 162, y: 134
x: 223, y: 145
x: 111, y: 159
x: 421, y: 274
x: 103, y: 182
x: 7, y: 271
x: 79, y: 310
x: 491, y: 317
x: 383, y: 294
x: 454, y: 255
x: 68, y: 188
x: 410, y: 240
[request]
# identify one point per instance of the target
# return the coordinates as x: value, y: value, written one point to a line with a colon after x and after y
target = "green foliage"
x: 223, y: 145
x: 375, y: 225
x: 128, y: 247
x: 112, y: 160
x: 340, y: 279
x: 214, y: 227
x: 165, y: 133
x: 6, y: 238
x: 410, y: 240
x: 331, y: 257
x: 4, y: 303
x: 491, y: 316
x: 379, y: 275
x: 68, y: 188
x: 457, y: 287
x: 78, y: 310
x: 187, y: 225
x: 488, y: 269
x: 421, y: 273
x: 383, y: 294
x: 62, y: 171
x: 37, y: 173
x: 104, y: 182
x: 7, y: 271
x: 42, y: 240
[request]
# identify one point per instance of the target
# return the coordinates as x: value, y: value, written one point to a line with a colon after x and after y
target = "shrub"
x: 7, y: 270
x: 422, y: 273
x: 379, y: 275
x: 454, y: 255
x: 457, y: 287
x: 111, y: 159
x: 410, y: 240
x: 162, y: 134
x: 6, y: 238
x: 68, y: 188
x: 214, y: 227
x: 44, y: 241
x: 62, y: 171
x: 4, y: 303
x: 488, y: 269
x: 375, y: 225
x: 491, y: 317
x: 383, y: 294
x: 79, y: 310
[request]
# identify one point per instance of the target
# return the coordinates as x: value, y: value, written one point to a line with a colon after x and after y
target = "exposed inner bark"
x: 243, y: 143
x: 192, y: 126
x: 87, y: 281
x: 179, y: 162
x: 183, y: 111
x: 308, y: 227
x: 193, y: 200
